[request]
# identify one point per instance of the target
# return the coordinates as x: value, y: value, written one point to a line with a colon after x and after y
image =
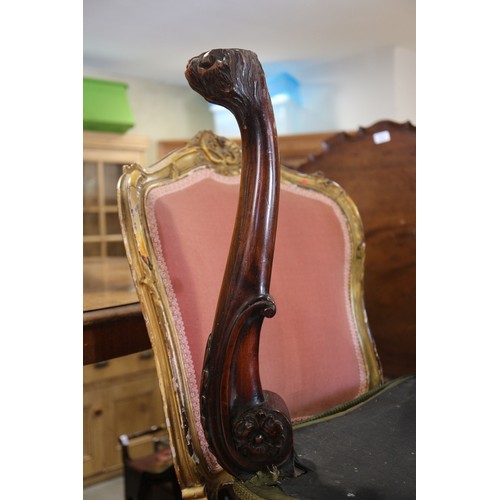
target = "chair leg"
x: 132, y: 485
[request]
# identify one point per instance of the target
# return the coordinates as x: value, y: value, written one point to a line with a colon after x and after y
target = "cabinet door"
x: 93, y: 429
x: 104, y: 155
x: 131, y: 406
x: 101, y: 227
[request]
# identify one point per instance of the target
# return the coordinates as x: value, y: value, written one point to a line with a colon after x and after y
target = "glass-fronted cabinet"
x: 104, y: 155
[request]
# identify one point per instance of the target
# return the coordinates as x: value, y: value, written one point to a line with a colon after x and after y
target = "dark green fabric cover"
x: 364, y: 450
x: 365, y: 453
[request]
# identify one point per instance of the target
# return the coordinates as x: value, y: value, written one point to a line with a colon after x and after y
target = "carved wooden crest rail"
x: 248, y: 429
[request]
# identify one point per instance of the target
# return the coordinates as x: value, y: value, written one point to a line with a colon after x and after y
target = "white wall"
x: 356, y: 91
x: 161, y: 111
x: 344, y: 95
x: 405, y: 76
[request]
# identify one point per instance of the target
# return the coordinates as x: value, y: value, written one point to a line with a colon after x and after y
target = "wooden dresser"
x: 120, y: 395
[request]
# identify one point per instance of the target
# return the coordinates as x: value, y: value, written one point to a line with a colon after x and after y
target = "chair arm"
x: 247, y: 429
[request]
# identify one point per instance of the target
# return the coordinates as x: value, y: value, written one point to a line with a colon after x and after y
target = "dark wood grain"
x: 381, y: 179
x: 248, y: 429
x: 113, y: 332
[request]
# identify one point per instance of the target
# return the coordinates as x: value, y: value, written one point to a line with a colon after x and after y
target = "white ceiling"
x: 153, y: 39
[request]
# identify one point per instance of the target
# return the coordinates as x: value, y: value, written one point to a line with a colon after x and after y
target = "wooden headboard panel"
x: 294, y: 149
x: 377, y: 168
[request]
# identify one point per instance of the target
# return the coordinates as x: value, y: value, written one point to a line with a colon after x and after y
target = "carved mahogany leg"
x: 248, y: 429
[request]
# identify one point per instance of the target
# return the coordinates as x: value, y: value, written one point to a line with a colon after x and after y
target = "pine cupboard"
x: 104, y: 155
x: 120, y: 396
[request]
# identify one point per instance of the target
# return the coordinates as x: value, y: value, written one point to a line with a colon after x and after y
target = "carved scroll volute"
x: 248, y: 429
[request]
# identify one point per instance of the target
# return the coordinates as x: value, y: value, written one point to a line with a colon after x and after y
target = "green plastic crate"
x: 105, y: 106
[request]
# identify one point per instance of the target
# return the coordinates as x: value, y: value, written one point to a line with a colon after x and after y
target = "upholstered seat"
x: 362, y: 449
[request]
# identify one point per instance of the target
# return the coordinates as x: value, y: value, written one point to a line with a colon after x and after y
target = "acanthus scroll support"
x: 248, y: 429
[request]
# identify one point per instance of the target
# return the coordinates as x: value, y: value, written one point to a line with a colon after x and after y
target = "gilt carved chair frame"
x: 197, y: 476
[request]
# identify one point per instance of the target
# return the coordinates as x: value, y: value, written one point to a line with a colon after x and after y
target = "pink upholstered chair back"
x: 310, y: 351
x: 317, y: 351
